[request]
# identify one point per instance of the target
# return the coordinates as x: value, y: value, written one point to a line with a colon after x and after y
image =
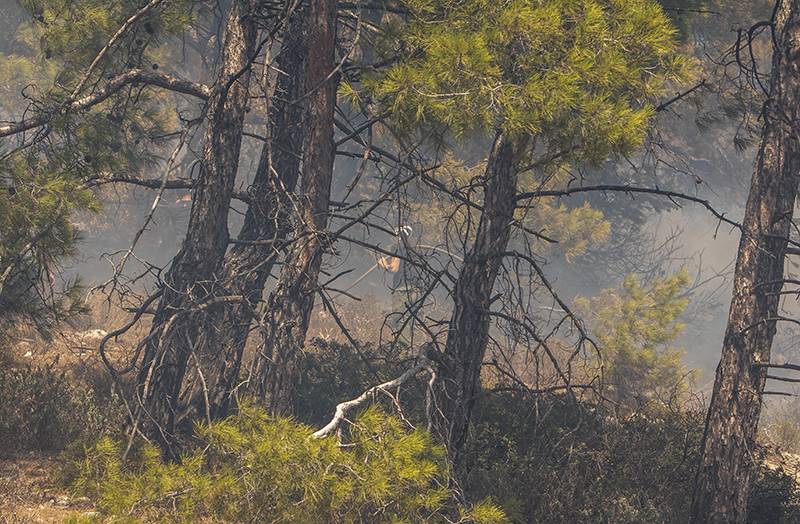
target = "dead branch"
x: 422, y: 363
x: 672, y: 195
x: 132, y: 77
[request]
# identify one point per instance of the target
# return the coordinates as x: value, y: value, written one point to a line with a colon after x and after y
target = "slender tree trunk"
x: 290, y: 304
x: 459, y: 373
x: 250, y: 261
x: 190, y: 281
x: 723, y: 478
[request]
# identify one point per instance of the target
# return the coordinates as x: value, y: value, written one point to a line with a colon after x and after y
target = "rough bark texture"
x: 250, y: 261
x: 723, y: 478
x: 290, y: 304
x: 459, y: 373
x: 189, y: 283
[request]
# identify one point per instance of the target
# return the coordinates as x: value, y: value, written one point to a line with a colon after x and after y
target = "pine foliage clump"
x: 569, y: 71
x: 46, y: 177
x: 35, y: 233
x: 635, y: 326
x: 254, y: 467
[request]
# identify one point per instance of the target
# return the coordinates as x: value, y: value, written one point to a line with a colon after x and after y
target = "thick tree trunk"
x: 723, y: 478
x: 459, y: 373
x: 190, y: 281
x: 290, y: 304
x: 250, y: 261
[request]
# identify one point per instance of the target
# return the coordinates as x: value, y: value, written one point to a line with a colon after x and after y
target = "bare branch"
x: 678, y: 96
x: 154, y: 183
x: 132, y: 77
x: 422, y: 363
x: 793, y: 367
x: 672, y: 195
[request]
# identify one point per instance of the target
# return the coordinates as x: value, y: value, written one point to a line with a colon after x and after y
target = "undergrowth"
x: 253, y: 468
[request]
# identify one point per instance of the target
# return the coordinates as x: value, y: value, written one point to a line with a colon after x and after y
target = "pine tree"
x: 267, y: 224
x: 573, y: 78
x: 189, y: 283
x: 634, y: 327
x: 53, y: 153
x: 725, y: 470
x: 290, y: 303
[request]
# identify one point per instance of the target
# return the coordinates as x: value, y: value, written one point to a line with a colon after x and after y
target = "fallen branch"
x: 422, y: 363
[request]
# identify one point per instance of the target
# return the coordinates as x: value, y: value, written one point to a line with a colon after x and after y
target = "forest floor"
x: 789, y: 462
x: 31, y: 493
x: 31, y: 490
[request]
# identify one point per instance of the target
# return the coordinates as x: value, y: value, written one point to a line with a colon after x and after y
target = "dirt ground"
x: 29, y: 492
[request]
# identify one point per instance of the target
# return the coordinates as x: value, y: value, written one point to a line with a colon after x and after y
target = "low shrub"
x: 45, y: 409
x: 561, y: 460
x: 254, y: 467
x: 774, y: 493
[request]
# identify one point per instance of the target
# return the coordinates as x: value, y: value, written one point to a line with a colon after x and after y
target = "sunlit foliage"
x: 565, y: 70
x: 255, y: 467
x: 635, y: 327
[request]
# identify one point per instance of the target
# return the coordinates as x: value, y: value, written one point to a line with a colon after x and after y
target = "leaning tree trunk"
x: 250, y: 261
x: 460, y: 366
x: 290, y: 304
x: 189, y: 283
x: 723, y: 478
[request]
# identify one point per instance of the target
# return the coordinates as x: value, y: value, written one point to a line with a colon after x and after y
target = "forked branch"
x: 342, y: 410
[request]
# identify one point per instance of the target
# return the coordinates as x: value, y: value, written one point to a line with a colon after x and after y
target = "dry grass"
x: 30, y: 491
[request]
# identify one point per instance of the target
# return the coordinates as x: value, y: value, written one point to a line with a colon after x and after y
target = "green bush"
x: 254, y: 468
x: 545, y: 459
x: 45, y: 409
x: 559, y: 460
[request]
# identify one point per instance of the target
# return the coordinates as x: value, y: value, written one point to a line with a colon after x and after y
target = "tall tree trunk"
x: 290, y: 304
x: 723, y: 478
x: 250, y: 261
x: 190, y: 281
x: 459, y: 373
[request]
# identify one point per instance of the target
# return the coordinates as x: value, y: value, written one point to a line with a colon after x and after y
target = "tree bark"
x: 250, y: 261
x: 290, y: 304
x: 723, y: 477
x: 190, y: 281
x: 468, y: 334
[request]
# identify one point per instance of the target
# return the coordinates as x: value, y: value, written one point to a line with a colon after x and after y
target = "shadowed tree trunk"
x: 250, y: 261
x: 290, y: 304
x: 723, y: 478
x: 460, y: 367
x: 189, y: 283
